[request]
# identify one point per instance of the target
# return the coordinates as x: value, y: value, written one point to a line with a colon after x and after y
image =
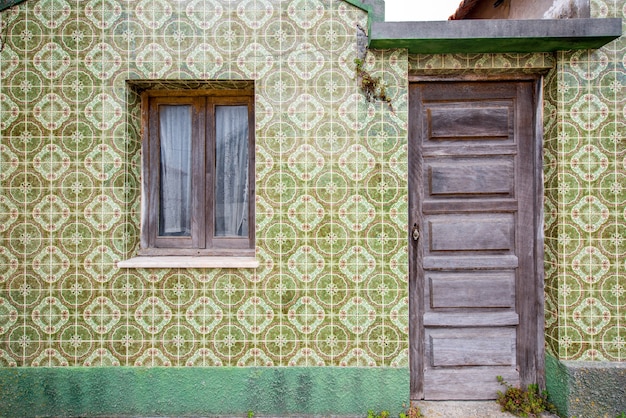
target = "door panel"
x: 469, y: 232
x: 476, y: 177
x: 471, y: 289
x: 471, y: 347
x: 465, y: 383
x: 473, y: 282
x: 478, y: 120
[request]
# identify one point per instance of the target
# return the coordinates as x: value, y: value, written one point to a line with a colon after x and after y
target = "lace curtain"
x: 231, y: 171
x: 175, y: 198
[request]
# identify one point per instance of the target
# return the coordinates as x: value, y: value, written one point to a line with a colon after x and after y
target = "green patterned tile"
x: 331, y: 188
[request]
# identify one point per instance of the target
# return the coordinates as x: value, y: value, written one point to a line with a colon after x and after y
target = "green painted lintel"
x: 201, y: 391
x: 494, y: 36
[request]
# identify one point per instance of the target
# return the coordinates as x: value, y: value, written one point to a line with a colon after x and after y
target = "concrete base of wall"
x: 224, y: 391
x: 586, y: 389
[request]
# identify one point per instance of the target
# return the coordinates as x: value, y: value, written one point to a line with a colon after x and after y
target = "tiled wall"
x: 585, y: 205
x: 585, y: 188
x: 330, y: 177
x: 331, y: 189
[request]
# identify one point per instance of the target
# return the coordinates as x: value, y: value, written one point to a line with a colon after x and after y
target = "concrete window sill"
x: 189, y: 262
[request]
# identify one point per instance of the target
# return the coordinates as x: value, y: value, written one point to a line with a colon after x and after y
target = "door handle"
x: 416, y: 232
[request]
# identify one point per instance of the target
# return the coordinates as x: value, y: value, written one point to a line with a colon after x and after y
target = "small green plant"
x: 250, y: 414
x: 412, y: 411
x: 621, y: 415
x: 372, y: 87
x: 523, y: 402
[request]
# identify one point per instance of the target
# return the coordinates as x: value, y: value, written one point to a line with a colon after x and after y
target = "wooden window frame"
x: 202, y: 241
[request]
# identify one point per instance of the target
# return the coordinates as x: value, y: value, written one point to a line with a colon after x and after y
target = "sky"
x: 407, y: 10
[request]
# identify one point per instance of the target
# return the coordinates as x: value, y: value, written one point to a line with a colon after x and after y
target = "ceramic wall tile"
x: 327, y: 171
x: 331, y: 181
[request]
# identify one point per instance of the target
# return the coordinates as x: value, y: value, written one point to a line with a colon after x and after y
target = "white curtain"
x: 175, y: 199
x: 231, y: 171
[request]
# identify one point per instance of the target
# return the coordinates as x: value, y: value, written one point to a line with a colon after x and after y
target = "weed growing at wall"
x: 523, y: 402
x: 412, y: 412
x: 371, y: 86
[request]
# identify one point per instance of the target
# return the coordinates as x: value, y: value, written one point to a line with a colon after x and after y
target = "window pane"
x: 175, y: 170
x: 231, y: 171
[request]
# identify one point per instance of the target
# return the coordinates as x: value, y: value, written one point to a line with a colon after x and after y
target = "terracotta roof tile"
x: 464, y: 8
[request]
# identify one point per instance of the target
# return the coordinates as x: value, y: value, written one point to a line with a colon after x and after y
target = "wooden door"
x: 473, y: 184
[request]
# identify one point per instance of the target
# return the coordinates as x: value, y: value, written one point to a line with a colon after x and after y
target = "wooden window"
x: 198, y: 173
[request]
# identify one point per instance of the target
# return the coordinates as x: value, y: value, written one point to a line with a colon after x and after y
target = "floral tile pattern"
x: 585, y: 197
x: 331, y: 182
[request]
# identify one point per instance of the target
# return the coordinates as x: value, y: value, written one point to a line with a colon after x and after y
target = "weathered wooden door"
x: 474, y: 212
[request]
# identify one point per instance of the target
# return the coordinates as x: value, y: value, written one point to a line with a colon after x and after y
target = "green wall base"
x: 586, y: 389
x: 224, y: 391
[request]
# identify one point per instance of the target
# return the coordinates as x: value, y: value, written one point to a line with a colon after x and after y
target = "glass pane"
x: 175, y: 170
x: 231, y: 171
